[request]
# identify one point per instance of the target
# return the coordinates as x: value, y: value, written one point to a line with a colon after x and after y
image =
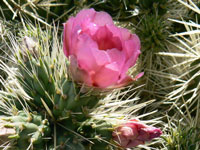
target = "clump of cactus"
x: 184, y: 66
x: 43, y: 108
x: 45, y: 103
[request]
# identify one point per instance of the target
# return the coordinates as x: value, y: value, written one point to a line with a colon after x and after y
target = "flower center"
x: 105, y: 39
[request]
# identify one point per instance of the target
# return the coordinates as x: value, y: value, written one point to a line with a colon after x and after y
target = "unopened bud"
x: 134, y: 133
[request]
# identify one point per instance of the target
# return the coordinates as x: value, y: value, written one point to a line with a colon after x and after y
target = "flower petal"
x: 127, y: 80
x: 125, y: 33
x: 129, y: 132
x: 77, y: 73
x: 84, y: 48
x: 89, y: 27
x: 67, y: 36
x: 102, y: 18
x: 89, y: 57
x: 143, y: 134
x: 132, y: 46
x: 117, y: 36
x: 122, y: 141
x: 106, y: 39
x: 149, y: 133
x: 117, y: 56
x: 107, y: 76
x: 130, y: 62
x: 134, y: 143
x: 84, y: 15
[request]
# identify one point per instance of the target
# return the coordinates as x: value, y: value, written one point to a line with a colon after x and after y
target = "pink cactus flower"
x: 100, y: 53
x: 134, y: 133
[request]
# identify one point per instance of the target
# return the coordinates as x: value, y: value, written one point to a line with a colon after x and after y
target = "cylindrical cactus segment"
x: 27, y: 129
x: 36, y: 80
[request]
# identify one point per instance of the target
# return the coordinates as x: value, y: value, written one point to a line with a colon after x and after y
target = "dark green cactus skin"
x: 30, y: 128
x: 67, y: 141
x: 99, y: 131
x: 119, y: 9
x: 96, y: 131
x: 154, y: 6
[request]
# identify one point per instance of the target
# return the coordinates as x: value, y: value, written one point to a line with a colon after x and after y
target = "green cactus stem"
x: 27, y: 129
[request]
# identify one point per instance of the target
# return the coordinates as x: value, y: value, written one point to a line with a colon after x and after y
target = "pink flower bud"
x: 134, y: 133
x: 100, y: 53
